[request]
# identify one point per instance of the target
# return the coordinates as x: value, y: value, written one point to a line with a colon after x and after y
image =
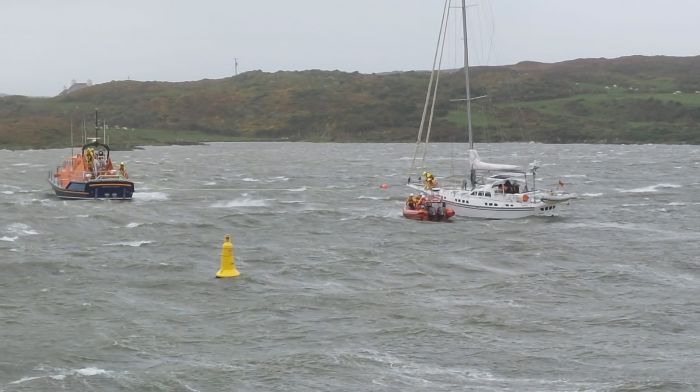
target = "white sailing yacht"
x: 492, y: 190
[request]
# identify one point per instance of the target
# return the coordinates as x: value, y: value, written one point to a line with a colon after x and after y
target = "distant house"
x: 75, y: 86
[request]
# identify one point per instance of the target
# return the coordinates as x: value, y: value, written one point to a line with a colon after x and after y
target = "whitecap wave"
x: 150, y: 196
x: 24, y: 379
x: 592, y: 194
x: 7, y: 193
x: 248, y: 179
x: 90, y: 371
x: 240, y: 203
x: 134, y: 244
x: 651, y: 188
x: 132, y: 225
x: 301, y: 189
x: 374, y: 197
x: 84, y: 372
x: 8, y: 239
x: 21, y: 229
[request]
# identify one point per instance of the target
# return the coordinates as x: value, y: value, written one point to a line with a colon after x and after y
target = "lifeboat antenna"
x: 71, y: 135
x: 97, y: 126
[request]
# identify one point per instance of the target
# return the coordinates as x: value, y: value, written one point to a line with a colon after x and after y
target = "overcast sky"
x: 47, y: 43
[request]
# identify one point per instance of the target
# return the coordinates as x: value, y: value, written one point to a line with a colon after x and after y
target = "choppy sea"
x: 338, y: 292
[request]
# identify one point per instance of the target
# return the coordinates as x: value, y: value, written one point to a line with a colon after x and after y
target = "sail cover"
x: 477, y: 164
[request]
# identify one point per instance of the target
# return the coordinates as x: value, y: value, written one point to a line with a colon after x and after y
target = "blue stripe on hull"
x: 118, y: 190
x: 492, y: 212
x: 504, y: 209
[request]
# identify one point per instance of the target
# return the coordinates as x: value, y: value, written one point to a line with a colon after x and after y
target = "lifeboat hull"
x: 116, y: 189
x: 424, y: 214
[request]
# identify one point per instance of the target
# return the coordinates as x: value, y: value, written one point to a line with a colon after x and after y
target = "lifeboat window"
x: 474, y: 193
x: 488, y: 194
x: 75, y: 187
x: 496, y: 204
x: 481, y: 193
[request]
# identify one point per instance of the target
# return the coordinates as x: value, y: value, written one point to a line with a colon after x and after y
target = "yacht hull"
x: 504, y: 207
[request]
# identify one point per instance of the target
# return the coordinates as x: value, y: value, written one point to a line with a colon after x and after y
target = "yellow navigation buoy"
x: 228, y: 263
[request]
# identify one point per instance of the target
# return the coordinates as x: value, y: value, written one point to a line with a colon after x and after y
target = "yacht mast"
x: 466, y: 74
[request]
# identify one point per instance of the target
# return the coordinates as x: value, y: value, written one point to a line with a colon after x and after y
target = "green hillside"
x: 627, y: 100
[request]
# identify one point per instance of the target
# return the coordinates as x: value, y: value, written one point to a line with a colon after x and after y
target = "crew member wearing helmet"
x: 430, y: 181
x: 90, y: 157
x: 417, y: 201
x: 122, y: 170
x: 410, y: 202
